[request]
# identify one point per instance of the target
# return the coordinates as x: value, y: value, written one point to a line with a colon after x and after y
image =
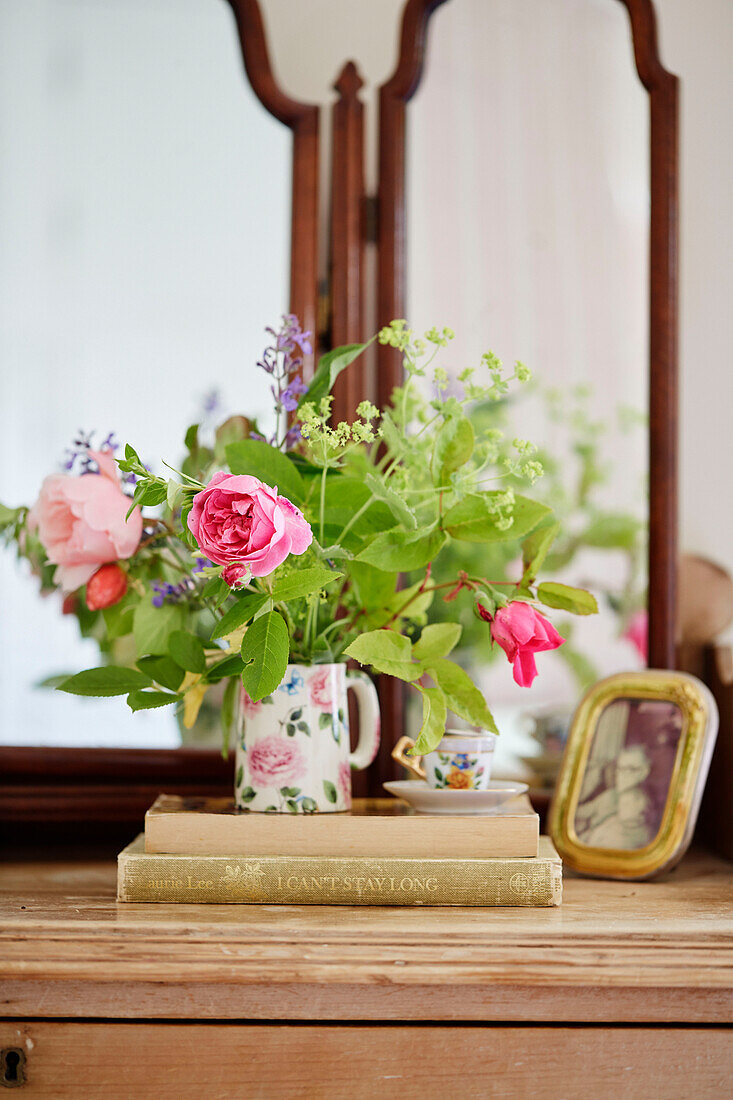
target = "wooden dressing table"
x: 630, y: 982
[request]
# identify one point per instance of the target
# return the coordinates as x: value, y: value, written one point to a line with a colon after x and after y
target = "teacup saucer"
x: 444, y: 800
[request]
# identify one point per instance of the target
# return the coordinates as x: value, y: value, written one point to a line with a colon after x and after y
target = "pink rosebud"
x: 241, y: 523
x: 106, y: 587
x: 521, y: 632
x: 81, y: 522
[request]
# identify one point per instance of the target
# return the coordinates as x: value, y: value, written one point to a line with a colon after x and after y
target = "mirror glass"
x: 145, y: 225
x: 628, y: 774
x: 528, y: 234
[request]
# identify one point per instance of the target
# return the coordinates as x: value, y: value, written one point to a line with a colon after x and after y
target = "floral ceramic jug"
x: 293, y: 750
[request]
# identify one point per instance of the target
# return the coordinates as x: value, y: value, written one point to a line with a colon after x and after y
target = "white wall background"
x: 144, y: 245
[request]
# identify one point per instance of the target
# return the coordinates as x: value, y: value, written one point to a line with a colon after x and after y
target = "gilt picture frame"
x: 633, y: 774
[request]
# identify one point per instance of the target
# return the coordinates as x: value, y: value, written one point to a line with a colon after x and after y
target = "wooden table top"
x: 635, y: 952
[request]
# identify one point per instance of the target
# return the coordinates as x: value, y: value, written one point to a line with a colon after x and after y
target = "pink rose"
x: 521, y: 632
x: 81, y: 522
x: 275, y: 761
x: 320, y: 689
x: 241, y: 523
x: 637, y: 632
x: 344, y: 781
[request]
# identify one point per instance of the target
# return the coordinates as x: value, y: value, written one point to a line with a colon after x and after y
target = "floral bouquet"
x: 261, y: 558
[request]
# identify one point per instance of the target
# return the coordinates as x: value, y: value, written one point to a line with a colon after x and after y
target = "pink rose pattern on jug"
x: 293, y: 748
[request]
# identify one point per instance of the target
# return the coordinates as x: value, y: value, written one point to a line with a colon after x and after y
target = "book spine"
x: 317, y: 881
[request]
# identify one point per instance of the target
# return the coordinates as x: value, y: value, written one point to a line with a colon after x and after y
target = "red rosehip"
x: 106, y: 587
x: 70, y: 604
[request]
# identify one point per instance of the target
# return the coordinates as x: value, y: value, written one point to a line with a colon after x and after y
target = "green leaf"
x: 535, y: 549
x: 163, y: 671
x: 8, y: 516
x: 230, y: 666
x: 53, y: 681
x: 453, y: 447
x: 303, y: 583
x: 462, y: 695
x: 434, y: 714
x: 308, y: 805
x: 147, y: 700
x: 346, y: 495
x: 228, y: 713
x: 566, y: 598
x: 118, y: 619
x: 248, y: 794
x: 401, y: 551
x: 191, y: 438
x: 437, y: 640
x: 187, y: 651
x: 329, y: 368
x: 290, y: 792
x: 151, y: 626
x: 612, y: 532
x: 325, y: 720
x: 385, y: 651
x: 255, y: 457
x: 373, y: 587
x: 243, y: 610
x: 265, y: 650
x: 107, y: 680
x: 397, y: 506
x: 216, y: 590
x: 330, y: 790
x: 154, y: 493
x: 473, y: 519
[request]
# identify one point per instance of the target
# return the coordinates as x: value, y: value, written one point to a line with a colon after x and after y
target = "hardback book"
x: 319, y: 880
x: 374, y: 827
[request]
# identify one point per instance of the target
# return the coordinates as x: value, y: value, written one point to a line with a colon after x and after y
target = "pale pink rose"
x: 637, y: 632
x: 241, y: 523
x: 344, y: 782
x: 320, y: 689
x: 521, y: 632
x: 81, y: 522
x: 276, y: 761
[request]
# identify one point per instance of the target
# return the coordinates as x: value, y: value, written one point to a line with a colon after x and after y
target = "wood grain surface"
x: 226, y: 1060
x: 643, y: 952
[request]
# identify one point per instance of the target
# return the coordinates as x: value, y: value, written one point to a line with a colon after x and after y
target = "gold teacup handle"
x: 412, y: 763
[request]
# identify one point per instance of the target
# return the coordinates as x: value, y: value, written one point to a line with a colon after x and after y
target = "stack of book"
x: 381, y: 853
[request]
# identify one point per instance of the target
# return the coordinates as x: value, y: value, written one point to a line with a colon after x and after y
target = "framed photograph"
x: 633, y: 774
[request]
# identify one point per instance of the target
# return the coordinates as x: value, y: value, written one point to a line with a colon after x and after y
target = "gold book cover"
x: 384, y: 828
x: 318, y: 880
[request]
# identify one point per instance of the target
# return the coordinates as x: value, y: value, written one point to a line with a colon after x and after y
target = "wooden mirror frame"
x: 114, y: 787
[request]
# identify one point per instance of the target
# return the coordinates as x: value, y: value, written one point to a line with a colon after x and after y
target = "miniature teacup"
x: 461, y: 762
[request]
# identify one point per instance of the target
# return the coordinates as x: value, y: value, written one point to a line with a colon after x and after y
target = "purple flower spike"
x: 283, y: 360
